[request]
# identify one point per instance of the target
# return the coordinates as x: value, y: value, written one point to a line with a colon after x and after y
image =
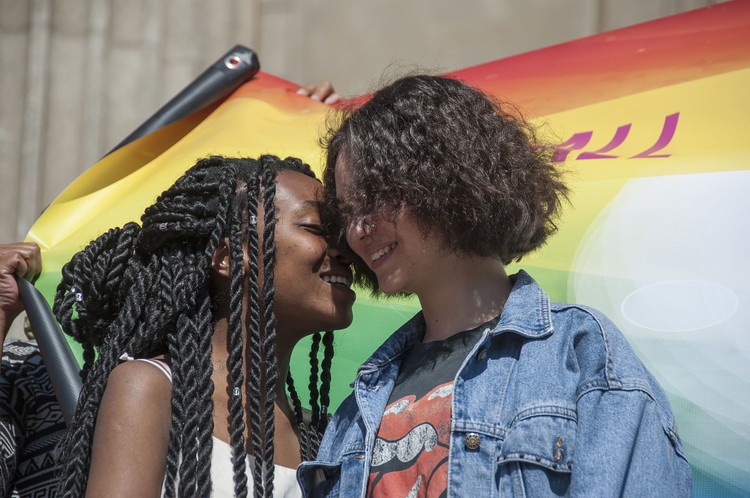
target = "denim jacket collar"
x: 399, y: 342
x: 518, y: 316
x: 527, y: 310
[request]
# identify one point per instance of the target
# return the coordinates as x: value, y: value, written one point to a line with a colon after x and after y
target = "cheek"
x: 356, y: 247
x: 287, y: 266
x: 300, y: 258
x: 354, y: 240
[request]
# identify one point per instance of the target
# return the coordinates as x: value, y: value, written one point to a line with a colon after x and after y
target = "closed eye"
x: 315, y: 229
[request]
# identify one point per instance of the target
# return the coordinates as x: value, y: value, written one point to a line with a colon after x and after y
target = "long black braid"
x: 236, y: 371
x: 146, y: 290
x: 268, y: 336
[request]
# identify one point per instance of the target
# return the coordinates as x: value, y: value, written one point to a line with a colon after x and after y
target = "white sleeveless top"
x: 284, y: 479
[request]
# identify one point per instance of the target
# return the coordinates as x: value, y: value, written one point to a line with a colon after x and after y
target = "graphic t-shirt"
x: 410, y: 457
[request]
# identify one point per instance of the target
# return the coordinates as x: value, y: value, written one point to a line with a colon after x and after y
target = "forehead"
x: 344, y: 177
x: 296, y: 191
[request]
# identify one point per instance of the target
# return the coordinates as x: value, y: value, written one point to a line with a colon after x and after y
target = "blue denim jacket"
x: 551, y: 402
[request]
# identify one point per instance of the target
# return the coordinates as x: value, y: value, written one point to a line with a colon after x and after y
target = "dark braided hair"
x: 146, y: 290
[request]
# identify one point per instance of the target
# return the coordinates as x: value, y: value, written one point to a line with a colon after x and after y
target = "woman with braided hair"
x: 193, y: 315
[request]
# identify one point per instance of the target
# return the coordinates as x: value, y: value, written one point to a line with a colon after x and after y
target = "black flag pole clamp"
x: 216, y: 83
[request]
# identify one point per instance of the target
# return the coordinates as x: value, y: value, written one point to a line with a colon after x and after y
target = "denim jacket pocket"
x: 318, y: 479
x: 344, y: 479
x: 536, y: 456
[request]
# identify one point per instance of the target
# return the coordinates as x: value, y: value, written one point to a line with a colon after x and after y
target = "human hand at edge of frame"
x: 25, y: 260
x: 323, y: 92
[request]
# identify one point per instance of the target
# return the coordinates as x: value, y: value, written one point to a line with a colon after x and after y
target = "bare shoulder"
x: 138, y: 394
x: 139, y: 378
x: 132, y: 432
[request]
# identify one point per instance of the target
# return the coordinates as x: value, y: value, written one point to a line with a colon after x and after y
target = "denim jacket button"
x: 482, y: 354
x: 471, y: 441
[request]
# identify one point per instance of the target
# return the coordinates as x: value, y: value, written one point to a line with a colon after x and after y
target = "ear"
x: 220, y: 259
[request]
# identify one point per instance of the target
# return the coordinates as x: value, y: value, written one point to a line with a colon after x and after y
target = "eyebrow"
x: 309, y: 204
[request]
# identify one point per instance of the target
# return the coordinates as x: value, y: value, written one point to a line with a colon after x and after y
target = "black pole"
x: 217, y: 82
x: 62, y: 366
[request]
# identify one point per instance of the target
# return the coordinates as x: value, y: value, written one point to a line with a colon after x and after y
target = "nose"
x: 340, y: 252
x: 359, y: 228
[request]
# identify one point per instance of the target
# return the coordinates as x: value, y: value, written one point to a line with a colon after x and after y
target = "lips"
x: 341, y: 283
x: 381, y: 252
x: 336, y: 279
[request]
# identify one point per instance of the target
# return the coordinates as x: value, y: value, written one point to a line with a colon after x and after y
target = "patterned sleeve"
x: 31, y: 424
x: 9, y: 429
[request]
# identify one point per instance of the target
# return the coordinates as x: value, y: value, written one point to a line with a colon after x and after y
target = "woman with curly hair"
x: 188, y: 321
x: 491, y: 389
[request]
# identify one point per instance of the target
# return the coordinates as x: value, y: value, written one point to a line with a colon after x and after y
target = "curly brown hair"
x: 462, y: 163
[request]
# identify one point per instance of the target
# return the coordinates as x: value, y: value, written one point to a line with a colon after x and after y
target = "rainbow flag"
x: 652, y: 124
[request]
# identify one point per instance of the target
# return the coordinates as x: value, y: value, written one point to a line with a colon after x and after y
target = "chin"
x: 391, y: 290
x: 342, y: 322
x: 335, y: 319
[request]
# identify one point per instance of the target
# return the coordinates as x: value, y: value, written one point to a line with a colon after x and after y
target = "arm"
x: 22, y: 259
x: 129, y: 452
x: 624, y: 448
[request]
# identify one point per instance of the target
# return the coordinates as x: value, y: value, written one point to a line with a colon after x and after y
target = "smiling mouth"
x: 337, y: 280
x: 382, y: 252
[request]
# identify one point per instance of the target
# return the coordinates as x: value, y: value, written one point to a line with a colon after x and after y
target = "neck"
x: 469, y: 291
x: 287, y: 454
x: 283, y: 354
x: 220, y: 356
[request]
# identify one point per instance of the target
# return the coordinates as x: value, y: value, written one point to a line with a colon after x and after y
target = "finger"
x: 21, y: 258
x: 322, y: 91
x: 13, y: 264
x: 34, y: 262
x: 332, y: 99
x: 306, y: 90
